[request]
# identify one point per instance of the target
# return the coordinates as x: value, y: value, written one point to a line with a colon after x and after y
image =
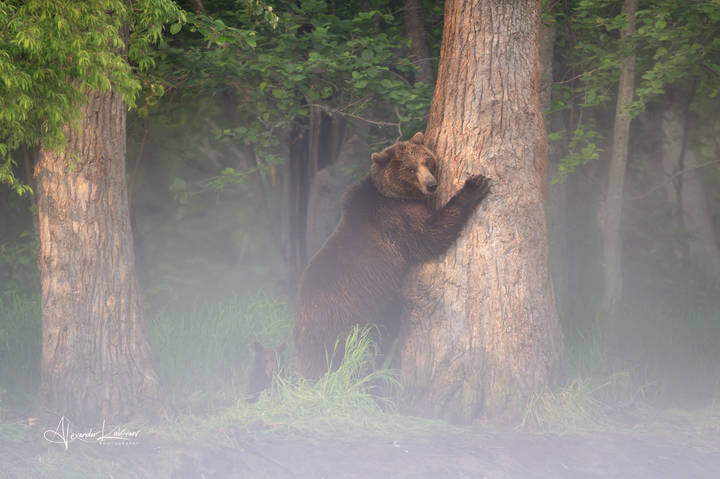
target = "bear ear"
x: 259, y: 348
x: 418, y: 138
x: 382, y: 158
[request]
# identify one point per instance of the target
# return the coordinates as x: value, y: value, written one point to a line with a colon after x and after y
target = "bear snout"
x: 427, y: 180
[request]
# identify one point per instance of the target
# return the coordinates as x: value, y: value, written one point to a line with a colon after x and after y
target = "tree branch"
x: 671, y: 178
x: 356, y: 117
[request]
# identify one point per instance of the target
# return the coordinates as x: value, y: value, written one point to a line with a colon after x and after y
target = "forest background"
x: 247, y: 121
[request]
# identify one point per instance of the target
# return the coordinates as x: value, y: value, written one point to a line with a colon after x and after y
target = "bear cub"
x: 386, y: 227
x: 264, y: 365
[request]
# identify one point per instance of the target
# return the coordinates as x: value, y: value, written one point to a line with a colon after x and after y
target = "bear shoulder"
x: 365, y: 203
x: 359, y: 196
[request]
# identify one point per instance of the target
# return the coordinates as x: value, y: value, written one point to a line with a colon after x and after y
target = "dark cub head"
x: 405, y: 170
x: 265, y: 362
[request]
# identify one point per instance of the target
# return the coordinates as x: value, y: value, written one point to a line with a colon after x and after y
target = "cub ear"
x: 259, y: 348
x: 280, y: 347
x: 418, y: 138
x: 382, y: 158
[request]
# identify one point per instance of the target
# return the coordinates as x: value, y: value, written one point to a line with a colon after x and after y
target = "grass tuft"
x: 572, y: 408
x: 356, y: 396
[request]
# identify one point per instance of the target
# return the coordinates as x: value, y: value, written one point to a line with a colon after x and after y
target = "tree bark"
x: 612, y: 246
x: 419, y: 50
x: 96, y: 360
x: 482, y: 328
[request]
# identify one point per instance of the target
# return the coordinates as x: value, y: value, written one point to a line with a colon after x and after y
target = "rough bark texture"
x: 612, y: 246
x: 96, y: 361
x: 482, y: 329
x: 687, y: 194
x: 419, y: 50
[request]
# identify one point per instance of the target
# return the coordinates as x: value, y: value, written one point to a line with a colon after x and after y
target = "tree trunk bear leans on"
x: 386, y: 228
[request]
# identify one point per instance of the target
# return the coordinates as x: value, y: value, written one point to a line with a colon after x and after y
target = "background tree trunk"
x: 483, y: 331
x: 556, y: 193
x: 687, y: 194
x: 419, y: 50
x: 96, y: 360
x: 326, y: 191
x: 612, y: 246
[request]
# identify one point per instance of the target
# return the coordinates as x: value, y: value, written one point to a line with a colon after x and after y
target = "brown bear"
x: 386, y: 227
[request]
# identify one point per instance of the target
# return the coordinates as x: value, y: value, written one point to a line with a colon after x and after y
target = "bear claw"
x: 479, y: 185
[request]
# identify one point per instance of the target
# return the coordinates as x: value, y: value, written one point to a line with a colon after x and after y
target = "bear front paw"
x: 477, y: 187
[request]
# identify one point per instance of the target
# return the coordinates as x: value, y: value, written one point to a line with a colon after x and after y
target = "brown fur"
x: 386, y: 227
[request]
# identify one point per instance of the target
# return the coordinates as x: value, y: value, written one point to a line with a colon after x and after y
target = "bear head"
x: 405, y: 170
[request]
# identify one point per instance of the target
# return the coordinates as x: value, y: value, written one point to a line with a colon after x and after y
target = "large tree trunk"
x: 612, y: 245
x: 483, y: 332
x: 96, y: 360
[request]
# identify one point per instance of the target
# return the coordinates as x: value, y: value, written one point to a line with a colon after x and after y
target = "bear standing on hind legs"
x: 386, y: 227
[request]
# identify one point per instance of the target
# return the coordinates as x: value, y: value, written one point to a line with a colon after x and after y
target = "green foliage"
x: 7, y: 165
x: 53, y: 52
x: 677, y: 42
x: 339, y: 58
x: 582, y: 148
x: 676, y: 45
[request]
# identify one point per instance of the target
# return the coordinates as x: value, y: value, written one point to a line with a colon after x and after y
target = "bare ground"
x: 670, y: 452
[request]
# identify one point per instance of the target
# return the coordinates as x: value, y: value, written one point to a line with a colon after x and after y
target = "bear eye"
x: 412, y: 170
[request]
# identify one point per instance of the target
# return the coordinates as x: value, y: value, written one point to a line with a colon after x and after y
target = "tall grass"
x: 20, y: 347
x: 203, y: 353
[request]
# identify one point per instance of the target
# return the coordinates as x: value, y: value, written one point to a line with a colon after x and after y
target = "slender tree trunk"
x: 612, y: 245
x: 419, y: 50
x: 687, y: 194
x: 96, y: 360
x: 482, y: 329
x: 556, y: 193
x: 547, y: 49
